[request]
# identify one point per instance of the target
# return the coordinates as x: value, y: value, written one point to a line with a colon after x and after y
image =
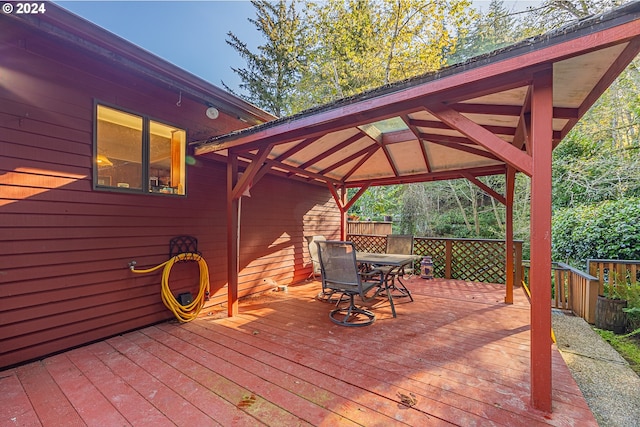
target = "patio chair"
x: 313, y: 253
x: 398, y: 244
x: 340, y: 274
x: 326, y: 295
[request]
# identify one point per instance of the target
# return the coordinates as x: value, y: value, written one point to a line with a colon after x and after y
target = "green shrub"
x: 608, y: 230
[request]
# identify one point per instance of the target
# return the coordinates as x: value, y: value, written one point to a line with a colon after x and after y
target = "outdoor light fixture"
x: 212, y: 113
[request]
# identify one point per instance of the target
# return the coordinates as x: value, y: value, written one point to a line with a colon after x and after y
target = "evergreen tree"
x: 270, y: 78
x: 494, y: 29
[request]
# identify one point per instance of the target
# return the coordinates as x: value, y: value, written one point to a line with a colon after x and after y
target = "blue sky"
x: 189, y: 34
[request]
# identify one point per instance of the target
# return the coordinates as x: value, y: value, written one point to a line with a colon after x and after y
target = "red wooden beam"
x: 436, y: 137
x: 466, y: 148
x: 490, y: 191
x: 251, y: 171
x: 369, y: 149
x: 423, y: 150
x: 360, y: 162
x: 232, y: 236
x: 338, y: 147
x: 431, y: 176
x: 510, y: 110
x: 504, y: 150
x: 510, y: 190
x: 293, y: 170
x: 296, y: 148
x: 540, y: 272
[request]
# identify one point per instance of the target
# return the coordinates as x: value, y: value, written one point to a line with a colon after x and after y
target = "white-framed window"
x: 135, y: 153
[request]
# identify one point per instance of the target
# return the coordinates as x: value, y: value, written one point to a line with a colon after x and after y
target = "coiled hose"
x: 184, y: 313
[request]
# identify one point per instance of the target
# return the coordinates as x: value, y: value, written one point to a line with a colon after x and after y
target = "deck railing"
x: 614, y: 272
x: 571, y: 289
x: 479, y: 260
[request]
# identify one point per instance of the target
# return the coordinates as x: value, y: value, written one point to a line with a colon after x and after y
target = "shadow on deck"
x: 456, y: 356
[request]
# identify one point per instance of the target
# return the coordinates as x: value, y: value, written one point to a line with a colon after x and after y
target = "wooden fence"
x: 463, y: 259
x: 381, y: 228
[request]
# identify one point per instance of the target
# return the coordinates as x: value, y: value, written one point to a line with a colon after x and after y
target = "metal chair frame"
x: 398, y: 244
x: 340, y: 274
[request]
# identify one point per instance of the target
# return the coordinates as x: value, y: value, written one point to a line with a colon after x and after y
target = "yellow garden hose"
x: 528, y: 292
x: 184, y: 313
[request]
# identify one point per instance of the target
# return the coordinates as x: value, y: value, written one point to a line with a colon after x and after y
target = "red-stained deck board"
x: 298, y: 411
x: 45, y: 395
x: 317, y: 386
x: 134, y: 407
x: 373, y: 369
x: 192, y: 380
x: 91, y: 405
x: 204, y: 367
x: 458, y: 349
x: 161, y: 395
x: 16, y: 409
x: 273, y: 368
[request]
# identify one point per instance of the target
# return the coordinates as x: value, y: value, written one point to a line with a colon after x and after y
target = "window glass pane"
x: 167, y: 146
x: 119, y: 149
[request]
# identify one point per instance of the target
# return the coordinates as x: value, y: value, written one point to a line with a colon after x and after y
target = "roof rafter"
x: 467, y: 149
x: 510, y: 110
x: 369, y: 149
x: 504, y: 150
x: 423, y: 150
x: 297, y: 148
x: 433, y: 176
x: 341, y: 146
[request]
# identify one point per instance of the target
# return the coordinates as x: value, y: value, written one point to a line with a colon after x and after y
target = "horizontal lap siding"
x: 64, y: 248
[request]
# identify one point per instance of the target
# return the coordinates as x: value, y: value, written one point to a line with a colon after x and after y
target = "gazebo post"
x: 232, y: 235
x: 540, y: 273
x: 343, y: 213
x: 510, y: 188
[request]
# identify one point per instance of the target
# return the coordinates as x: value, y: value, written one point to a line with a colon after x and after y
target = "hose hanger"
x: 181, y: 249
x: 184, y: 245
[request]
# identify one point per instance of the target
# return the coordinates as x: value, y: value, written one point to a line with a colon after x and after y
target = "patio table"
x: 397, y: 262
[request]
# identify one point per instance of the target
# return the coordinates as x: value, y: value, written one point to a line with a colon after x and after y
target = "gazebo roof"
x: 467, y: 120
x: 496, y: 114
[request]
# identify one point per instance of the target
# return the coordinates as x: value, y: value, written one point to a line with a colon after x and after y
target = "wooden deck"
x: 455, y: 356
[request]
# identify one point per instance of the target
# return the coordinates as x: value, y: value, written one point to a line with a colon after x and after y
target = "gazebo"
x: 498, y: 114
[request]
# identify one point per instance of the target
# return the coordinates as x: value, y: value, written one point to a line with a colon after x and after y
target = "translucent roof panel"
x: 376, y: 129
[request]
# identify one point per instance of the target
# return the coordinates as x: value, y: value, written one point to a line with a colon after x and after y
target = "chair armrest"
x: 371, y: 275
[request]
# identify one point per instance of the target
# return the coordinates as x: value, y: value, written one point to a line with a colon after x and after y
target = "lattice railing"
x: 463, y: 259
x: 369, y: 242
x: 434, y: 248
x: 478, y: 260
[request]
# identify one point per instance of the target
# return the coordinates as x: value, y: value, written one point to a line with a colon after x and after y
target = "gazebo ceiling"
x: 467, y: 120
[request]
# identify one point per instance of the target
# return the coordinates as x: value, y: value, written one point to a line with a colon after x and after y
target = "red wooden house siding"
x: 64, y: 247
